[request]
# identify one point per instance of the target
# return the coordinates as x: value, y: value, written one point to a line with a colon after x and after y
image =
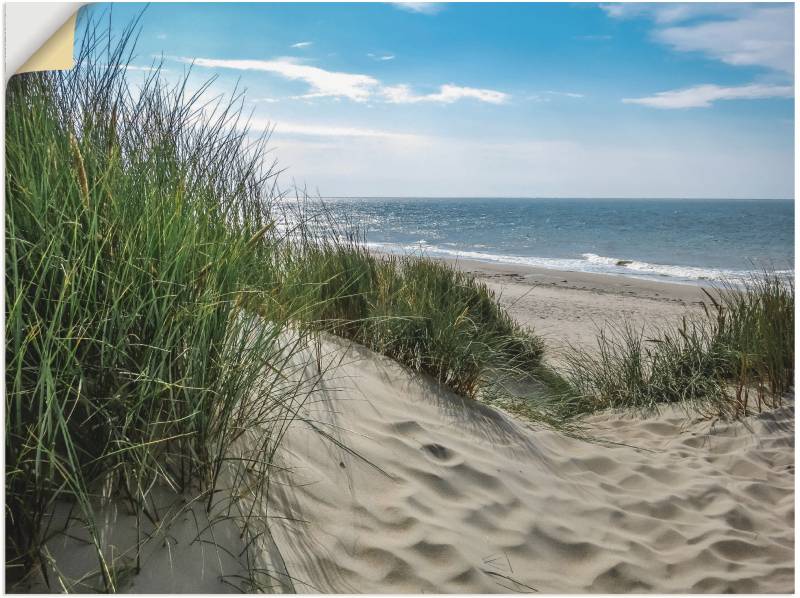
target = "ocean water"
x: 680, y: 240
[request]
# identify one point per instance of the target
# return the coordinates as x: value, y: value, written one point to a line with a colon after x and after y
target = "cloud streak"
x: 764, y: 37
x: 668, y: 13
x: 301, y: 45
x: 546, y: 96
x: 323, y: 83
x: 425, y: 8
x: 736, y: 34
x: 353, y: 86
x: 743, y: 35
x: 703, y: 96
x: 447, y: 94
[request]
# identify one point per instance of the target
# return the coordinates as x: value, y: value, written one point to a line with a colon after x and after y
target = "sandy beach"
x: 570, y: 307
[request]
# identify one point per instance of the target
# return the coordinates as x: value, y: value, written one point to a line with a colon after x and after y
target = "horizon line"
x: 608, y: 197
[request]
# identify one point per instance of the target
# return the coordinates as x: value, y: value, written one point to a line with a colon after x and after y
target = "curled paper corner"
x: 56, y: 54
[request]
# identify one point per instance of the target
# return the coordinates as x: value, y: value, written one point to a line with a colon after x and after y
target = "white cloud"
x: 546, y: 96
x: 447, y: 94
x: 425, y: 8
x: 665, y: 13
x: 382, y: 57
x: 567, y: 94
x: 146, y: 69
x: 353, y: 86
x: 703, y: 96
x: 734, y: 33
x: 622, y: 11
x: 762, y: 37
x: 323, y: 83
x: 301, y: 45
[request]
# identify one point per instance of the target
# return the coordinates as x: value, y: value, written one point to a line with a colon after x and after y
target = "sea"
x: 677, y: 240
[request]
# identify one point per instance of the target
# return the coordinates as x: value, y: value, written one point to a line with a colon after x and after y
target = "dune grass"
x: 419, y: 311
x: 137, y: 224
x: 155, y: 297
x: 734, y: 360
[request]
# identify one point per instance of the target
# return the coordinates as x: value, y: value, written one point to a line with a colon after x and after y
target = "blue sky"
x: 594, y: 100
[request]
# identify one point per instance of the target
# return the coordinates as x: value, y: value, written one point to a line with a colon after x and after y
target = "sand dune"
x: 389, y: 483
x: 435, y: 493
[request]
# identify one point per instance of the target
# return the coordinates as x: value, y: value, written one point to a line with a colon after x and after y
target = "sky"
x: 513, y: 99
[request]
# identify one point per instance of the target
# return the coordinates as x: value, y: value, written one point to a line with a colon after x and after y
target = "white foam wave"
x: 589, y: 262
x: 682, y: 272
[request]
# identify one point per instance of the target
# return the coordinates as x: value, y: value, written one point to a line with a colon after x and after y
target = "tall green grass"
x: 421, y: 312
x: 137, y: 224
x: 736, y: 359
x: 156, y: 294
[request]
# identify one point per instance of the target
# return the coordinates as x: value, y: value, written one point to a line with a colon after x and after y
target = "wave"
x: 589, y: 262
x: 665, y: 270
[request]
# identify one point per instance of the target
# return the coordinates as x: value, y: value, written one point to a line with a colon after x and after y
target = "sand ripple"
x: 449, y: 496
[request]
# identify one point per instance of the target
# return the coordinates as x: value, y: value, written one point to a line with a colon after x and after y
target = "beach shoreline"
x: 570, y: 308
x: 606, y: 282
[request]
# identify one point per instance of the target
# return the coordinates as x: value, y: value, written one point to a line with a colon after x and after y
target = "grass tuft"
x: 734, y: 360
x: 421, y: 312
